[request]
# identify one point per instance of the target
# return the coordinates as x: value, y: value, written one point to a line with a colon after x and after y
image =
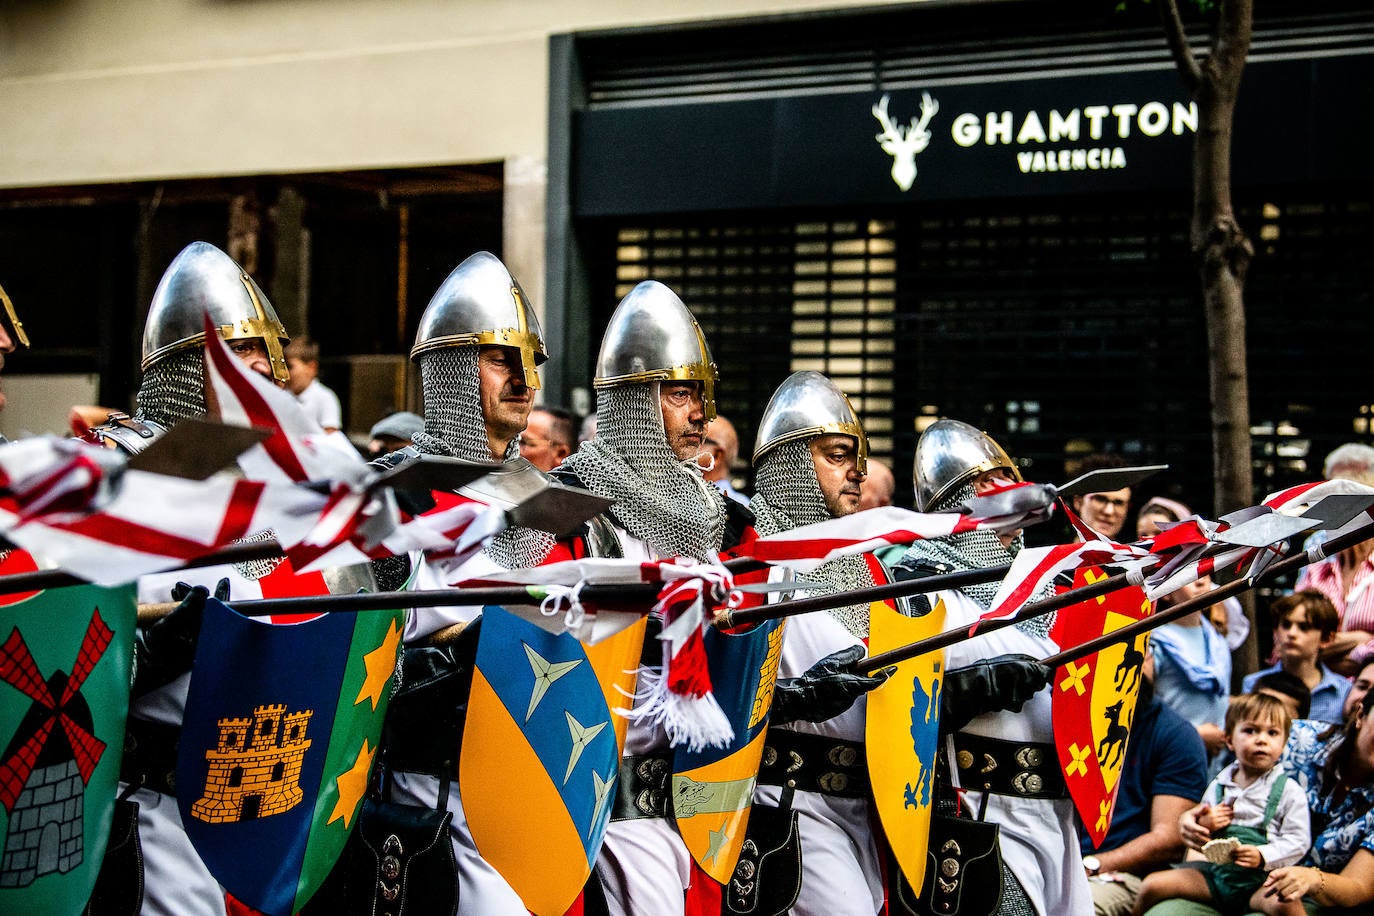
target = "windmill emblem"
x: 47, y: 765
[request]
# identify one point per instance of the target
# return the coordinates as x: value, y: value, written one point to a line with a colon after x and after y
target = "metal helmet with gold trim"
x: 807, y: 405
x: 652, y: 337
x: 480, y: 303
x: 951, y: 453
x: 204, y: 279
x: 13, y: 325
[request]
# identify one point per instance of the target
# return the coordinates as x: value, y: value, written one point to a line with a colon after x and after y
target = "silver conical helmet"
x: 949, y: 454
x: 204, y: 279
x: 806, y: 405
x: 480, y: 303
x: 653, y: 337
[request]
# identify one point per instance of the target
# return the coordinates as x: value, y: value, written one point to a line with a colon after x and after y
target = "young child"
x: 1305, y: 625
x: 1252, y: 801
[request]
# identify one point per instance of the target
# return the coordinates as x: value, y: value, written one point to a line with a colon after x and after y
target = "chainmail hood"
x: 787, y: 496
x: 658, y: 499
x: 974, y: 550
x: 451, y: 386
x: 173, y: 389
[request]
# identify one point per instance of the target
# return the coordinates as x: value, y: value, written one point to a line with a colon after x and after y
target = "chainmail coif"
x: 454, y: 427
x: 975, y: 550
x: 787, y: 496
x: 451, y: 385
x: 173, y: 389
x: 658, y: 499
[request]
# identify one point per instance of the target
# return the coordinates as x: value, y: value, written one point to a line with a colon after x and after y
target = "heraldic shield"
x: 539, y: 761
x: 64, y: 664
x: 1094, y: 698
x: 713, y: 788
x: 902, y: 734
x: 280, y: 730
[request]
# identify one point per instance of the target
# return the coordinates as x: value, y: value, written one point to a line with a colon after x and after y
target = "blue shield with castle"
x: 280, y: 731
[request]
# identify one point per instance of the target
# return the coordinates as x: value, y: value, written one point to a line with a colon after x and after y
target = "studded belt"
x: 1020, y: 768
x: 643, y: 787
x: 814, y: 763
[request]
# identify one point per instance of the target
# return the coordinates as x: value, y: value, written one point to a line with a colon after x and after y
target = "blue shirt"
x: 1164, y: 756
x: 1193, y: 671
x: 1328, y: 697
x: 1348, y: 826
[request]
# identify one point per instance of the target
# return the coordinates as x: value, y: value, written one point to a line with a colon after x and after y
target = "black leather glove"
x: 826, y: 690
x: 165, y: 651
x: 992, y: 685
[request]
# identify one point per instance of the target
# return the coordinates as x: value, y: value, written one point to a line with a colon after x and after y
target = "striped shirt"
x: 1356, y: 606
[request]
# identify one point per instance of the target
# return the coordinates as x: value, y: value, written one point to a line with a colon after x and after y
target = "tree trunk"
x: 1222, y: 253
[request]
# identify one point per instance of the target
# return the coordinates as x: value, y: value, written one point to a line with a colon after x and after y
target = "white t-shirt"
x: 322, y: 404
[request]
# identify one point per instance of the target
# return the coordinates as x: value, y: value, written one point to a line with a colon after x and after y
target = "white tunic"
x: 1039, y: 838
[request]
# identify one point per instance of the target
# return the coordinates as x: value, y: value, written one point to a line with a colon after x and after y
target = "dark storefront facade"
x: 1024, y: 265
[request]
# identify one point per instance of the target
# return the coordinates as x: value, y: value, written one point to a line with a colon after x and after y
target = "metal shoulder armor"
x: 127, y: 434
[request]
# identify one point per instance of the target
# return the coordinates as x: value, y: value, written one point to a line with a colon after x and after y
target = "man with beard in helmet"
x: 201, y: 279
x: 478, y: 346
x: 999, y: 748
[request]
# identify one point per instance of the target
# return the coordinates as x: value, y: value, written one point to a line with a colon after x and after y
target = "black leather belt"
x: 643, y: 787
x: 1020, y: 768
x: 150, y: 756
x: 424, y: 723
x: 814, y: 763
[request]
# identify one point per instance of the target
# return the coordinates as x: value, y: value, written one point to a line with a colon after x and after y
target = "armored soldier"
x: 810, y: 461
x: 479, y: 348
x: 655, y: 384
x: 1004, y: 755
x: 200, y: 279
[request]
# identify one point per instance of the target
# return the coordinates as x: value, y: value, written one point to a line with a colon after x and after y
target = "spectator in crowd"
x: 1163, y: 775
x: 1103, y: 512
x: 588, y: 430
x: 1193, y: 668
x: 1336, y: 768
x: 1304, y: 624
x: 393, y: 433
x: 547, y: 438
x: 1288, y: 689
x: 1348, y: 577
x: 1228, y: 616
x: 722, y: 444
x: 879, y: 486
x: 1364, y: 679
x: 303, y: 362
x: 1253, y: 802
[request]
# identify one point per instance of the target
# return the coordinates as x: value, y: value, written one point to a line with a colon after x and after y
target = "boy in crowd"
x: 1287, y: 689
x: 1257, y: 815
x: 1305, y: 623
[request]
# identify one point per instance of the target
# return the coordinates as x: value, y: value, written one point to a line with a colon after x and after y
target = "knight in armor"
x: 1003, y: 754
x: 201, y: 279
x: 479, y: 348
x: 810, y: 461
x: 655, y: 388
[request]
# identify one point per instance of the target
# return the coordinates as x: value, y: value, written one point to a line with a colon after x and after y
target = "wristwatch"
x: 1092, y: 864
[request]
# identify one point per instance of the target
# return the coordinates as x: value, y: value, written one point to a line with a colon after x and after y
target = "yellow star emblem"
x: 381, y: 664
x: 352, y: 783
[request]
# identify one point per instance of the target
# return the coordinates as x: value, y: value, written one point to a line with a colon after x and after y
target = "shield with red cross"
x: 1095, y: 698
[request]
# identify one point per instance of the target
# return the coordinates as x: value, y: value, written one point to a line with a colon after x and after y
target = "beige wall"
x: 96, y: 91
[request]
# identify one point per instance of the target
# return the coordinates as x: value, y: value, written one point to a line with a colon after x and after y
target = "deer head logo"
x: 902, y: 144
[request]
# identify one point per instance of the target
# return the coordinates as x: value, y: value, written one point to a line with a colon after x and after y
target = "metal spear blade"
x: 194, y: 449
x: 1109, y: 479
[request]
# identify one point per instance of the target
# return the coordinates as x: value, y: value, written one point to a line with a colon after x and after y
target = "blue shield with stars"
x: 539, y: 760
x: 713, y: 788
x: 278, y: 739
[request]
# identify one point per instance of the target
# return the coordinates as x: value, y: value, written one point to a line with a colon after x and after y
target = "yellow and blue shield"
x: 540, y: 756
x: 902, y: 734
x: 1095, y: 697
x: 713, y: 788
